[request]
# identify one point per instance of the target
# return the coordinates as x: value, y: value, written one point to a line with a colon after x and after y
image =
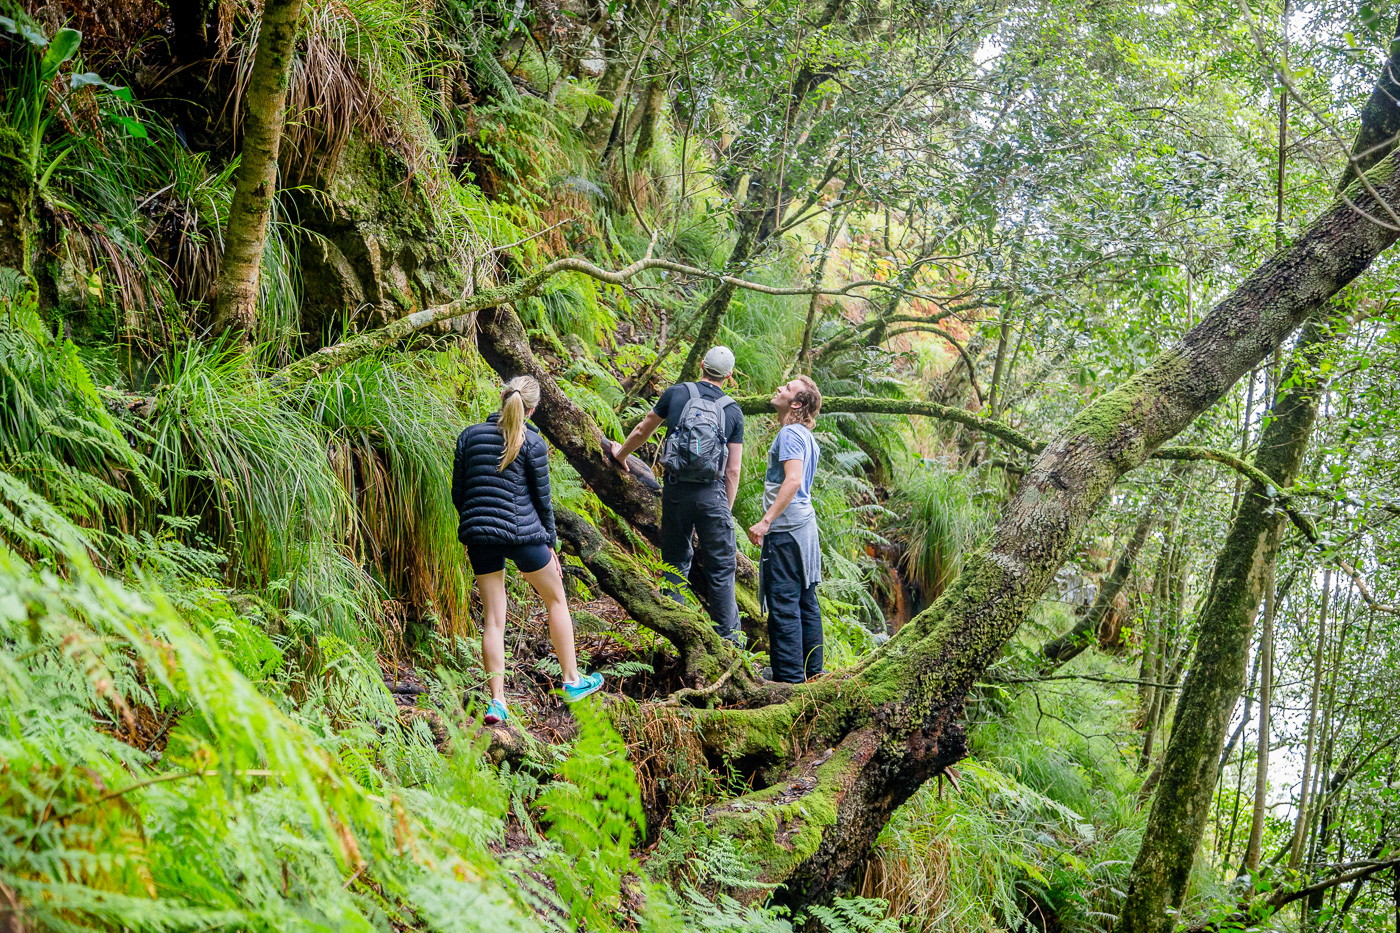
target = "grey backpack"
x: 695, y: 450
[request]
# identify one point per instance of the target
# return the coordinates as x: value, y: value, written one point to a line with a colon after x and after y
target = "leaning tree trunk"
x: 503, y: 343
x: 236, y: 301
x: 893, y: 722
x: 1157, y: 885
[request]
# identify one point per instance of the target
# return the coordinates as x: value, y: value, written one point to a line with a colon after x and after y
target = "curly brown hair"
x: 806, y: 404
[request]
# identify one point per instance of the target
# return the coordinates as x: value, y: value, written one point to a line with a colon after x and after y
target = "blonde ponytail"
x: 517, y: 397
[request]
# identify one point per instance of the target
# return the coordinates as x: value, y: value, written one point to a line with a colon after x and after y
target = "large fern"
x: 594, y: 815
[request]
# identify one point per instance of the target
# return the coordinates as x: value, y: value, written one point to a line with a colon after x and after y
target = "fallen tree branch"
x: 1354, y: 871
x: 758, y: 405
x: 360, y: 345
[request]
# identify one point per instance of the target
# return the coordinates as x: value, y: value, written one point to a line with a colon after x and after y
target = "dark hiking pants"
x: 702, y: 509
x: 794, y: 616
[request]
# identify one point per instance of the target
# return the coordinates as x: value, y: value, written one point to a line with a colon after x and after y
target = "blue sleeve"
x: 734, y: 422
x: 791, y: 444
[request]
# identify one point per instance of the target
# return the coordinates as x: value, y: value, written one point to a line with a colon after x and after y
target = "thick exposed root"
x: 705, y: 657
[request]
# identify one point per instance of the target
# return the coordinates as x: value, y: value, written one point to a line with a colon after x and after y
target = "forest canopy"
x: 1100, y: 304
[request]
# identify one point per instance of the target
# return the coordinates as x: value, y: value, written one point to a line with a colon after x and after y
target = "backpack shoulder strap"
x: 693, y: 389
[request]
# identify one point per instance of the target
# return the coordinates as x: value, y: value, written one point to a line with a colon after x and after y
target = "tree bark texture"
x: 1157, y: 885
x: 503, y: 343
x: 236, y: 308
x: 894, y: 720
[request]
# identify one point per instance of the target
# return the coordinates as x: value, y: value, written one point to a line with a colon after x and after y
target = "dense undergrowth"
x: 209, y: 588
x: 202, y: 733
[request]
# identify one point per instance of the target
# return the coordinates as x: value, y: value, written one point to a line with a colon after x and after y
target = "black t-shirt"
x: 672, y: 403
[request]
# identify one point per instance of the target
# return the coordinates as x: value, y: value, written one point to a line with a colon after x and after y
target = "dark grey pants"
x: 794, y: 615
x: 702, y: 508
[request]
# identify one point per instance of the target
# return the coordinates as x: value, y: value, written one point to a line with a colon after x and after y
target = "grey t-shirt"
x: 795, y: 442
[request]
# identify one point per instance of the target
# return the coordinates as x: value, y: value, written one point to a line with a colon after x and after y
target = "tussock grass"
x: 258, y: 473
x: 67, y: 471
x: 391, y: 431
x: 940, y: 520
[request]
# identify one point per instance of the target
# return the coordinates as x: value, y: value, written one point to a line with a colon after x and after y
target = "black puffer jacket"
x: 509, y: 507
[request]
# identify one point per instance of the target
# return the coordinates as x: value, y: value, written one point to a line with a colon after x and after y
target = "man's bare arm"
x: 637, y: 438
x: 731, y: 472
x: 792, y: 482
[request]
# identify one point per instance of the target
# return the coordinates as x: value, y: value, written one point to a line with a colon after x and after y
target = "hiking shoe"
x: 588, y: 683
x: 496, y: 713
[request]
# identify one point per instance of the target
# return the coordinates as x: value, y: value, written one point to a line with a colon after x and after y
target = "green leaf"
x: 63, y: 47
x: 133, y: 127
x: 32, y: 35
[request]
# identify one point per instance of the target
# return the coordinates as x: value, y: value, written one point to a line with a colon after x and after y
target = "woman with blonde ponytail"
x: 500, y: 485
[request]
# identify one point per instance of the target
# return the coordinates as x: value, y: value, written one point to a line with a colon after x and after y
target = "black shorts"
x: 489, y: 557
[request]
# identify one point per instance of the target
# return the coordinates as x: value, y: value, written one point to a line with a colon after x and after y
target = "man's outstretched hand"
x: 614, y: 448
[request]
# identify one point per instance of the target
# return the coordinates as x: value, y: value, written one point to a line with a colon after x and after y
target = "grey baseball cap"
x: 719, y: 362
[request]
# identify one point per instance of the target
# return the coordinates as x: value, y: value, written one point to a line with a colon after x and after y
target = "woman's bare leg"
x: 493, y: 630
x: 550, y: 585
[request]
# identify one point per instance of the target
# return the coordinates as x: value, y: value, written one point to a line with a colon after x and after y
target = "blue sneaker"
x: 496, y: 713
x: 588, y: 683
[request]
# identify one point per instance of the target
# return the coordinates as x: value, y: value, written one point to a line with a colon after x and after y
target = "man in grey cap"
x: 702, y: 454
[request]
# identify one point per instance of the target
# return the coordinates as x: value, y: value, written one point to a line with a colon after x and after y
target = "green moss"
x: 779, y: 835
x: 17, y: 223
x: 766, y: 731
x: 14, y: 161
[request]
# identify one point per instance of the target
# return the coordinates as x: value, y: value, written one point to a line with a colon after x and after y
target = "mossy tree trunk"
x: 504, y: 344
x: 647, y: 116
x: 236, y: 302
x: 17, y: 223
x: 1186, y: 788
x: 893, y: 721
